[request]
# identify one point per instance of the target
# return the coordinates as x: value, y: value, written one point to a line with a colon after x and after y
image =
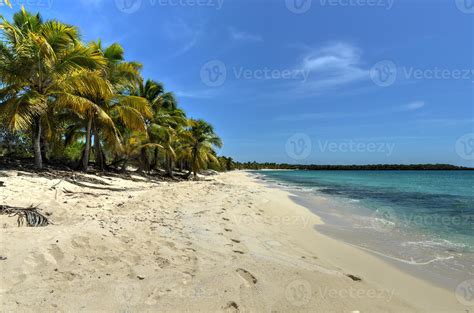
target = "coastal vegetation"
x: 84, y: 104
x: 373, y: 167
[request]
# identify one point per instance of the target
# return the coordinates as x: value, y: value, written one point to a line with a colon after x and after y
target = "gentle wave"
x: 412, y: 261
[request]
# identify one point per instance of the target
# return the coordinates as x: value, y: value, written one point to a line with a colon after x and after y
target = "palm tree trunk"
x: 143, y: 166
x: 155, y: 159
x: 169, y: 166
x: 99, y: 157
x: 124, y: 166
x: 44, y: 149
x: 193, y: 164
x: 37, y: 142
x: 87, y: 149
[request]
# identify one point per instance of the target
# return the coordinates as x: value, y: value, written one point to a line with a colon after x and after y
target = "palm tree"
x: 87, y: 91
x: 162, y: 125
x: 36, y: 60
x: 57, y: 90
x: 115, y: 110
x: 199, y: 150
x: 168, y: 129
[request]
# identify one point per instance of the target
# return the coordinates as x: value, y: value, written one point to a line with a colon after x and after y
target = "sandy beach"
x: 224, y: 244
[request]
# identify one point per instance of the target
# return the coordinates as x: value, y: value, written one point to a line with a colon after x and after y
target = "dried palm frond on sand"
x: 29, y: 216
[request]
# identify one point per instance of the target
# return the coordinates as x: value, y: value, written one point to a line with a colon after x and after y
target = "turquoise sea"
x: 422, y: 221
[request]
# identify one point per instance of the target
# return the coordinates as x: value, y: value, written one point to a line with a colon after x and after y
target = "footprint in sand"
x: 231, y: 307
x: 272, y: 244
x: 80, y: 242
x: 162, y: 262
x: 247, y: 277
x: 56, y: 253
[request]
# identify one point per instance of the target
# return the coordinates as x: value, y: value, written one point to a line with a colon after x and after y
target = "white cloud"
x: 243, y: 36
x: 342, y: 115
x: 331, y: 66
x: 333, y: 57
x: 184, y: 34
x: 412, y: 106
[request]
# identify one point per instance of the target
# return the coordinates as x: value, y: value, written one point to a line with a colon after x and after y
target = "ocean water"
x: 422, y: 221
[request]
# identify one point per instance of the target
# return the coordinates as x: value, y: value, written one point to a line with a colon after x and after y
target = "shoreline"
x: 300, y: 200
x: 348, y: 221
x: 407, y: 266
x: 224, y: 244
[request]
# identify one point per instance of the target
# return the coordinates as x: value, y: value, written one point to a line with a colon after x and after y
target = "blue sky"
x: 301, y: 81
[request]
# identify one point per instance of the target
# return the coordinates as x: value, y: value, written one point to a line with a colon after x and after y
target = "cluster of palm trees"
x: 61, y: 91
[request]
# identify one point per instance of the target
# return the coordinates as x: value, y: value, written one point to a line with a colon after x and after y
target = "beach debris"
x: 239, y: 252
x: 2, y: 184
x: 353, y: 277
x: 70, y: 193
x: 3, y: 258
x: 31, y: 216
x: 140, y: 277
x: 75, y: 182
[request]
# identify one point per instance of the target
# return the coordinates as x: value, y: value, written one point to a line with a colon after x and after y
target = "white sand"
x: 225, y: 245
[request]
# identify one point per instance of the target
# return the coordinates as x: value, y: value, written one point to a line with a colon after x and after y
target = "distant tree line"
x: 373, y: 167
